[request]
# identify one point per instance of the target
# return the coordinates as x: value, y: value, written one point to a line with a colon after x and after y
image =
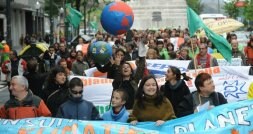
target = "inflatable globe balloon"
x: 117, y: 18
x: 100, y: 52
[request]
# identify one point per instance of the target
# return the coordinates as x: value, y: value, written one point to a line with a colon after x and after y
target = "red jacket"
x: 249, y: 54
x: 31, y: 106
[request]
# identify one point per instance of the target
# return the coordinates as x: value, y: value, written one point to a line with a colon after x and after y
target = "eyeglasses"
x: 76, y: 92
x: 202, y: 48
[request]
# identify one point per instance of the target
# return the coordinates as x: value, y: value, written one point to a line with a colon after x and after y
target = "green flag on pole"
x: 73, y: 16
x: 94, y: 25
x: 221, y: 44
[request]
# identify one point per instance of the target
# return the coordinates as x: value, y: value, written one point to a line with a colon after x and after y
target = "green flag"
x: 94, y: 25
x: 73, y: 16
x: 194, y: 22
x: 221, y: 44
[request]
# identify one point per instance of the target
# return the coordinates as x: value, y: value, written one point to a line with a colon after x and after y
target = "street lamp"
x: 61, y: 24
x: 61, y: 10
x: 37, y: 7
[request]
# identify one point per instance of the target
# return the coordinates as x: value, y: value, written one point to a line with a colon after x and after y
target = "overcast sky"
x: 211, y: 6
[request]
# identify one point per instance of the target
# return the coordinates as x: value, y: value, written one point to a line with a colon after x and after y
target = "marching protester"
x: 56, y: 89
x: 118, y: 111
x: 23, y: 104
x: 63, y: 51
x: 79, y: 66
x: 193, y: 46
x: 129, y: 80
x: 248, y: 50
x: 202, y: 59
x: 153, y: 53
x: 14, y: 66
x: 63, y: 63
x: 35, y: 79
x: 175, y: 88
x: 150, y: 104
x: 205, y: 94
x: 112, y: 67
x: 236, y: 53
x: 51, y: 58
x: 184, y: 54
x: 76, y: 107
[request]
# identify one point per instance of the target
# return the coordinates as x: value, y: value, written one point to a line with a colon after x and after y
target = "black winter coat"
x: 78, y: 109
x: 186, y: 106
x: 175, y: 93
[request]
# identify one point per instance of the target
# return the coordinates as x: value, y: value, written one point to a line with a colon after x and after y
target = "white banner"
x: 232, y: 81
x: 159, y: 67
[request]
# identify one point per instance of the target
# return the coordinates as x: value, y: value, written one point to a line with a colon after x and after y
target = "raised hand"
x: 134, y: 122
x: 159, y: 122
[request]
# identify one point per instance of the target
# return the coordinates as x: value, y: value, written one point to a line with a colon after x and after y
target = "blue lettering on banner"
x: 234, y: 88
x: 154, y: 66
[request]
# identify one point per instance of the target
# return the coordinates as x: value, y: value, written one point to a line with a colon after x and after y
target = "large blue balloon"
x: 117, y: 18
x: 101, y: 52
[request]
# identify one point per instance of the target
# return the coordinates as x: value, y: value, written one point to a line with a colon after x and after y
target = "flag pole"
x: 194, y: 62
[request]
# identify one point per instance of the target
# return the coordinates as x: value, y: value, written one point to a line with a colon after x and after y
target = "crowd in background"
x: 39, y: 84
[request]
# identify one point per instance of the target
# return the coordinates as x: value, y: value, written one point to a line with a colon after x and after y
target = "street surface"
x: 4, y: 93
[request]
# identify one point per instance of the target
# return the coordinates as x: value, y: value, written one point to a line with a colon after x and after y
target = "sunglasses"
x: 76, y: 92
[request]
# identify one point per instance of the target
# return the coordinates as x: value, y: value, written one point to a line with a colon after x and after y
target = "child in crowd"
x: 118, y: 111
x: 76, y: 107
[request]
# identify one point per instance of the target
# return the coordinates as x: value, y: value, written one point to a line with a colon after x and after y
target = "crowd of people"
x: 39, y: 86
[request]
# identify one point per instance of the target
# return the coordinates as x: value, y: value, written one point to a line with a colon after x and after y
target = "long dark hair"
x: 178, y: 74
x: 140, y: 95
x: 52, y: 75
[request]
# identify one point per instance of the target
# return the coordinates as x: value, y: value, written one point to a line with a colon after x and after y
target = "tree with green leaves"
x: 248, y: 11
x: 231, y: 9
x: 195, y: 5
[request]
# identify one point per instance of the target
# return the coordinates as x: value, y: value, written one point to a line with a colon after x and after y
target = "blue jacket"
x: 78, y: 109
x: 121, y: 117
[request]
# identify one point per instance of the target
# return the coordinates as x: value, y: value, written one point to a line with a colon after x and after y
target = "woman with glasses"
x: 76, y: 107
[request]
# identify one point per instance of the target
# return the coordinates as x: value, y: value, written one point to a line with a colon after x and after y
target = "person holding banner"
x: 76, y: 107
x: 203, y: 59
x: 203, y: 99
x: 150, y: 104
x: 175, y: 88
x: 23, y: 104
x: 118, y: 111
